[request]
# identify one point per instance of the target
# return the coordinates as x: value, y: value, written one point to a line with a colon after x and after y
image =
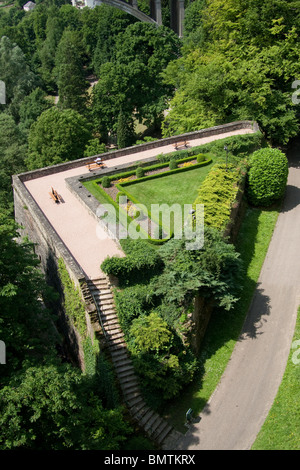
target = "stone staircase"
x: 158, y: 429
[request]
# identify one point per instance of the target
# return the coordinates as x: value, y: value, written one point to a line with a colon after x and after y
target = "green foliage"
x: 131, y: 302
x: 94, y: 147
x: 73, y: 304
x: 173, y: 164
x: 201, y: 158
x: 239, y: 63
x: 12, y: 151
x: 140, y: 172
x: 105, y: 181
x: 125, y: 130
x: 49, y: 407
x: 141, y: 260
x: 69, y: 72
x: 150, y: 333
x: 267, y: 176
x: 57, y: 136
x: 25, y: 327
x: 217, y: 193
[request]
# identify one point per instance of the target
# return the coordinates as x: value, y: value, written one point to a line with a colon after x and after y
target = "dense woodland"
x: 237, y: 60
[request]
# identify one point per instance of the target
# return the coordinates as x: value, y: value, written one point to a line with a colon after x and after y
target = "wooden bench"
x: 55, y: 196
x: 181, y: 144
x: 94, y: 166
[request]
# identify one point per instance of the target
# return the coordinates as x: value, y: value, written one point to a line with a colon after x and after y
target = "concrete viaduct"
x: 131, y: 7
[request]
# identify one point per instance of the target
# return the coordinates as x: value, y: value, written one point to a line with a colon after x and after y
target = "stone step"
x: 139, y: 410
x: 147, y: 416
x: 154, y: 422
x: 161, y: 432
x: 128, y: 387
x: 114, y: 336
x: 126, y: 373
x: 134, y: 401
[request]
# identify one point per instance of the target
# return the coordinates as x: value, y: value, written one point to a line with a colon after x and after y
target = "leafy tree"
x: 110, y: 23
x: 47, y: 51
x: 150, y: 333
x: 31, y: 108
x: 12, y: 152
x: 15, y: 73
x: 267, y: 176
x: 50, y: 407
x: 70, y: 73
x: 233, y: 74
x: 125, y: 130
x: 132, y: 81
x: 21, y: 288
x: 57, y: 136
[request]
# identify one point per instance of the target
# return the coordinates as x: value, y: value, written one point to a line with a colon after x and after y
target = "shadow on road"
x: 259, y: 310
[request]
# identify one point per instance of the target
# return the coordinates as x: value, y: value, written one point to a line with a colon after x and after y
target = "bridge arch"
x: 176, y: 9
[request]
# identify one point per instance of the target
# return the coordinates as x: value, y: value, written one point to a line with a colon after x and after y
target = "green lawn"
x: 179, y: 188
x: 281, y: 430
x: 224, y: 328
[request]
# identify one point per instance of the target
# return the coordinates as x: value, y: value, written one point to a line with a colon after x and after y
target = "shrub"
x: 218, y: 192
x: 140, y: 172
x: 201, y: 158
x: 105, y: 182
x: 267, y: 176
x: 142, y: 260
x: 173, y: 164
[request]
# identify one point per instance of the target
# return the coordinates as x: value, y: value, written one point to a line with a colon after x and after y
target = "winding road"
x: 240, y: 404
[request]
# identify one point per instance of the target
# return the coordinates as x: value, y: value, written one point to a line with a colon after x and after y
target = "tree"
x: 53, y: 407
x: 15, y: 73
x: 23, y: 319
x: 57, y: 136
x: 31, y: 108
x: 125, y: 130
x: 231, y: 74
x: 132, y: 81
x: 150, y: 333
x: 69, y: 72
x: 12, y: 151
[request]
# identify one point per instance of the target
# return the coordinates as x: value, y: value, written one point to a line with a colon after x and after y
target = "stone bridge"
x: 131, y: 7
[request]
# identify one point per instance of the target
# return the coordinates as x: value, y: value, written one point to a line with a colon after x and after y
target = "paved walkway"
x: 75, y: 226
x: 241, y: 402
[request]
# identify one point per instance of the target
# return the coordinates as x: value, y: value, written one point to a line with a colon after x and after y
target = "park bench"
x: 55, y: 196
x: 94, y: 166
x: 178, y: 145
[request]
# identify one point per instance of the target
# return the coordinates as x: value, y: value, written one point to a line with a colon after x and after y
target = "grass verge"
x: 281, y: 429
x: 224, y: 328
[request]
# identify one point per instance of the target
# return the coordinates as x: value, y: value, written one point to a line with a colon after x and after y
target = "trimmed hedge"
x: 218, y: 193
x: 267, y: 176
x: 141, y: 260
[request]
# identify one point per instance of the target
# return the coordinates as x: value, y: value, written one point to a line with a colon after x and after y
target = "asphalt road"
x: 236, y: 411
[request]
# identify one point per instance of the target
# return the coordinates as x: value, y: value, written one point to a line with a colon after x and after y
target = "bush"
x: 218, y: 192
x: 201, y: 158
x: 142, y: 261
x: 173, y: 164
x: 105, y: 182
x: 140, y: 172
x: 267, y: 176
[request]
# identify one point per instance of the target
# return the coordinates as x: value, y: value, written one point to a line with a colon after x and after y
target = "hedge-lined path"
x: 158, y: 429
x: 236, y: 411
